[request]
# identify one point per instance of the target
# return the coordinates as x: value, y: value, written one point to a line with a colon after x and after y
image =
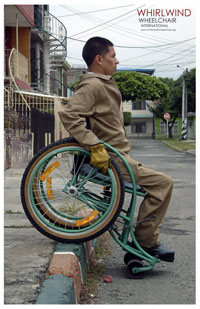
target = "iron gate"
x: 42, y: 125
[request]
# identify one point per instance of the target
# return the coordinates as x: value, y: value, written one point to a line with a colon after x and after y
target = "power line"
x: 107, y: 21
x: 138, y: 47
x: 172, y: 70
x: 82, y: 13
x: 152, y: 64
x: 163, y: 50
x: 124, y: 31
x: 120, y: 29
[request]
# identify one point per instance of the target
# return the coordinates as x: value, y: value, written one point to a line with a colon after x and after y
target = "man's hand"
x: 99, y: 157
x: 65, y: 100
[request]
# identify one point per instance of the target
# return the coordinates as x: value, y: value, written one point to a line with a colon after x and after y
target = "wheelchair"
x: 70, y: 201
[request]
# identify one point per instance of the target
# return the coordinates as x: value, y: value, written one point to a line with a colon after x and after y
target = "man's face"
x: 109, y: 61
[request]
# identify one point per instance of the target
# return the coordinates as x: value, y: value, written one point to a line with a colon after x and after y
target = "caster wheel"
x: 134, y: 263
x: 129, y: 256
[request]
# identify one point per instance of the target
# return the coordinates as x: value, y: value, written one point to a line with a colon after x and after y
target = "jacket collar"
x: 92, y: 75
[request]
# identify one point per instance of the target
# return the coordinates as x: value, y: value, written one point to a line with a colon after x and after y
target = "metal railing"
x: 49, y: 24
x: 21, y: 71
x: 13, y: 101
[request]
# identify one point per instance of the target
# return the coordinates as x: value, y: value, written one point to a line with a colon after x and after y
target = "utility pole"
x: 184, y: 130
x: 184, y: 111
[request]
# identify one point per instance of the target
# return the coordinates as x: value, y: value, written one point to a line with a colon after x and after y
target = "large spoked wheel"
x: 66, y: 198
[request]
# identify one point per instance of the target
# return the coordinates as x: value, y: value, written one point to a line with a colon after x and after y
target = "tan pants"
x: 159, y: 190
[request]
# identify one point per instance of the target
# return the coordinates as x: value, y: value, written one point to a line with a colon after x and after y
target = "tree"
x: 127, y: 118
x: 173, y: 102
x: 136, y: 86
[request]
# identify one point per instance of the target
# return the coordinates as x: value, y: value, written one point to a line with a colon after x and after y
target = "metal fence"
x: 35, y: 116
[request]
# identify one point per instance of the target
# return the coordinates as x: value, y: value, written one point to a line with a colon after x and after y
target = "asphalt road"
x: 167, y: 283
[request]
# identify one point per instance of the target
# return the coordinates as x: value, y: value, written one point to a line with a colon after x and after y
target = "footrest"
x: 129, y: 185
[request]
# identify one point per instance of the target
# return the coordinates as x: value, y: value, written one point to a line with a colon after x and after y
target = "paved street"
x: 27, y: 252
x: 167, y: 283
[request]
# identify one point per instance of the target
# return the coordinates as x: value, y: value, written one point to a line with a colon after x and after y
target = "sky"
x: 146, y: 34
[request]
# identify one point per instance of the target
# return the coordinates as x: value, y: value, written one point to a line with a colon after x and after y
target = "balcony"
x: 18, y: 66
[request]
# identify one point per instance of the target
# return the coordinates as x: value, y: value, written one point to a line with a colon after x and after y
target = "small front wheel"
x: 135, y: 269
x: 129, y: 256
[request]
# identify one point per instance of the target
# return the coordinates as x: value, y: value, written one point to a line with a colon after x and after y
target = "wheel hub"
x: 72, y: 190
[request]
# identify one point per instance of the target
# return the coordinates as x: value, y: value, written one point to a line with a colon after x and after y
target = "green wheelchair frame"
x: 40, y: 199
x: 133, y: 260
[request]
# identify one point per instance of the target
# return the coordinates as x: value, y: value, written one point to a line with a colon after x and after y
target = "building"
x: 142, y: 119
x: 35, y: 69
x: 18, y: 19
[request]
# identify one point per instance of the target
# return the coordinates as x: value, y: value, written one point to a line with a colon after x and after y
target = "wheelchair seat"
x: 87, y: 168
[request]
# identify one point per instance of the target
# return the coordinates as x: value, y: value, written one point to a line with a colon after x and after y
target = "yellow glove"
x: 65, y: 100
x: 99, y: 157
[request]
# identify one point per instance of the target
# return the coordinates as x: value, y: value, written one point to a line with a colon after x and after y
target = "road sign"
x: 166, y: 116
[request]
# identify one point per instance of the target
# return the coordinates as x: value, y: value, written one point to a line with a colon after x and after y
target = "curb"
x: 177, y: 149
x: 66, y: 273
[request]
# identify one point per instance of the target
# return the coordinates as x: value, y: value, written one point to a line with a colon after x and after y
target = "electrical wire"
x: 153, y: 52
x: 106, y: 22
x: 140, y: 47
x: 89, y: 12
x: 121, y: 28
x: 172, y: 45
x: 152, y: 64
x: 163, y: 50
x: 158, y: 49
x: 134, y: 33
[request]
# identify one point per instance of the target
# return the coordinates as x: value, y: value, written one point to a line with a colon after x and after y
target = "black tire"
x: 62, y: 202
x: 129, y: 256
x: 134, y: 263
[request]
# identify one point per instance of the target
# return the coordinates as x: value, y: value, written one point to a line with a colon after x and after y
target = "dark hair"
x: 95, y: 46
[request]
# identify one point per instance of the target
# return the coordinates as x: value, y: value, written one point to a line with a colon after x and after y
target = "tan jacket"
x: 98, y: 98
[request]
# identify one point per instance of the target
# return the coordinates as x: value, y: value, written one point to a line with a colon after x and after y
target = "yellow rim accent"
x: 49, y: 188
x: 49, y: 170
x: 85, y: 220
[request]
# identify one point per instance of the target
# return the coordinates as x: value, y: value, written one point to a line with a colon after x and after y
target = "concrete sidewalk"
x: 37, y: 269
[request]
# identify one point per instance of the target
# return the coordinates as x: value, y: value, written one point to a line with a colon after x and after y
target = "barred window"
x: 138, y: 127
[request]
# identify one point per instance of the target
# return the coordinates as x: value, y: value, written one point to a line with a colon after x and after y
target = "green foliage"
x: 127, y: 118
x: 136, y: 86
x: 172, y: 104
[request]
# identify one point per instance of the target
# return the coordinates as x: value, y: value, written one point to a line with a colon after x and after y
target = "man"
x: 98, y: 99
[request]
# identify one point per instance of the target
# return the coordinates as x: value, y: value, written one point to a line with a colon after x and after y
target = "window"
x: 138, y: 127
x: 139, y: 105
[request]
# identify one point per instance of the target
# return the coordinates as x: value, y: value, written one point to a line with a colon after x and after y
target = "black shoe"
x: 161, y: 253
